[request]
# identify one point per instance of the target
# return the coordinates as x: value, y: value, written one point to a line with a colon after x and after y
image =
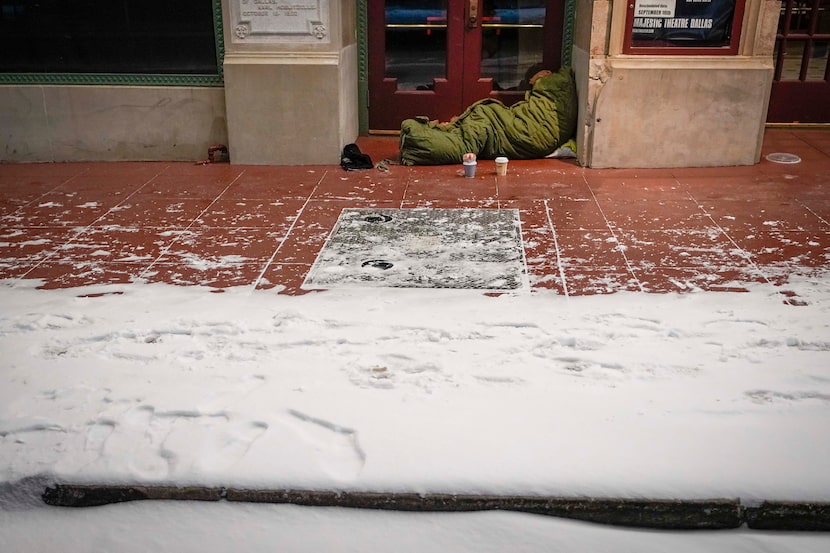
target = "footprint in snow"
x: 222, y: 443
x: 770, y: 396
x: 129, y: 444
x: 498, y: 379
x: 580, y: 367
x: 392, y: 370
x: 155, y: 444
x: 338, y: 450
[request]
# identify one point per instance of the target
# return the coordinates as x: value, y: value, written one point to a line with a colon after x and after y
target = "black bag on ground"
x: 353, y: 159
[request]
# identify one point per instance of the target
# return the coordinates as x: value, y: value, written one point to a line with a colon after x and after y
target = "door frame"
x: 363, y: 55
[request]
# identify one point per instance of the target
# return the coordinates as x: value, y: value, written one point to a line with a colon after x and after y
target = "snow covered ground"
x: 185, y: 527
x: 698, y: 395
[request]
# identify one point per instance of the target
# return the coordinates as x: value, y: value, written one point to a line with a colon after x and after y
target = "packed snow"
x: 697, y: 395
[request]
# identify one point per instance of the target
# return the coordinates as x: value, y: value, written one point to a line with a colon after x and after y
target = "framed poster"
x: 683, y: 26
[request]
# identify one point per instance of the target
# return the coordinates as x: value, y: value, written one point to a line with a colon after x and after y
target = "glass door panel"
x: 512, y: 41
x: 416, y: 43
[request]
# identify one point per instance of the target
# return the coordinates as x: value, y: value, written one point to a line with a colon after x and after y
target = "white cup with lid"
x: 501, y: 166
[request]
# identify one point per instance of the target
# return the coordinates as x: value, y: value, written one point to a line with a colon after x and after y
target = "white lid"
x: 501, y: 159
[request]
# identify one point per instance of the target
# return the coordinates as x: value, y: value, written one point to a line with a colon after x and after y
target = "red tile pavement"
x: 585, y: 231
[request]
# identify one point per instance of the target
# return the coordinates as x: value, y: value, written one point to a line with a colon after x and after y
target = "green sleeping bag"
x: 529, y: 129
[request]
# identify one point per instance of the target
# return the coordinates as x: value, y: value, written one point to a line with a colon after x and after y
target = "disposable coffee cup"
x: 501, y: 166
x: 470, y: 169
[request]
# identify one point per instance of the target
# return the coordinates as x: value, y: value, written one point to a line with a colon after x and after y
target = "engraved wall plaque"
x: 273, y: 21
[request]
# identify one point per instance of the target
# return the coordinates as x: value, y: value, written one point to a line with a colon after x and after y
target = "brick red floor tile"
x: 665, y: 188
x: 380, y: 147
x: 590, y: 248
x: 450, y: 186
x: 542, y: 184
x: 538, y: 238
x: 806, y: 145
x: 675, y: 249
x: 67, y: 274
x: 117, y: 244
x: 589, y: 280
x: 219, y: 275
x: 32, y: 243
x: 277, y: 214
x: 655, y: 215
x: 739, y: 187
x: 16, y: 269
x: 314, y: 225
x: 546, y: 276
x: 23, y: 187
x: 269, y: 183
x: 781, y: 248
x: 203, y: 171
x: 810, y: 189
x: 286, y: 278
x: 57, y: 209
x: 686, y: 279
x: 577, y: 215
x: 143, y: 169
x: 105, y: 185
x: 361, y: 185
x: 151, y: 211
x: 540, y: 246
x: 629, y: 173
x: 820, y: 208
x: 682, y: 173
x: 490, y: 203
x: 762, y: 215
x: 212, y: 247
x: 207, y: 186
x: 42, y: 170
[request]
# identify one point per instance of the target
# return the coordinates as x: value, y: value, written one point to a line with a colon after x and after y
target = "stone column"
x: 290, y: 80
x: 685, y: 110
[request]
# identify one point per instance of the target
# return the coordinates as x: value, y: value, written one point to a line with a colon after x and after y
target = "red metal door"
x: 801, y: 86
x: 436, y: 57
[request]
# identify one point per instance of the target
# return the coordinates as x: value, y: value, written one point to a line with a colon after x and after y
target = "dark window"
x: 107, y: 36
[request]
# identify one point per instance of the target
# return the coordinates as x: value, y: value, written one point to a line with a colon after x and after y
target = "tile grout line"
x: 192, y: 222
x: 614, y: 235
x: 556, y: 245
x: 819, y: 217
x: 259, y: 278
x: 406, y: 186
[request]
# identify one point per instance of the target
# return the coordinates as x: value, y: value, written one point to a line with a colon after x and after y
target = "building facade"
x: 661, y: 83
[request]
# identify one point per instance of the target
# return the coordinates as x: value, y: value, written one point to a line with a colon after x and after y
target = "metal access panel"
x: 422, y: 248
